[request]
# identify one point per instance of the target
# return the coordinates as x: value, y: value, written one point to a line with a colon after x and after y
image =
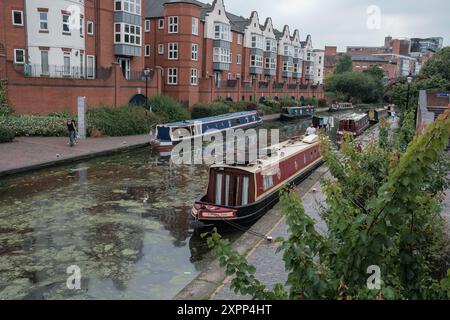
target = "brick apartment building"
x: 52, y: 51
x: 397, y: 57
x: 207, y: 52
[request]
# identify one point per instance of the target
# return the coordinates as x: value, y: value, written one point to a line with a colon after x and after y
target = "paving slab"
x: 28, y: 153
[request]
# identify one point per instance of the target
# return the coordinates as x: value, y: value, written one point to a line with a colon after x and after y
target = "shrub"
x: 288, y: 102
x: 168, y: 109
x: 6, y: 134
x: 122, y: 121
x: 203, y: 110
x: 29, y: 125
x: 4, y: 109
x: 240, y: 106
x: 311, y: 101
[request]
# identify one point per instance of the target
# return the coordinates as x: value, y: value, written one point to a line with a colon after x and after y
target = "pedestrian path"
x: 27, y: 153
x: 269, y: 264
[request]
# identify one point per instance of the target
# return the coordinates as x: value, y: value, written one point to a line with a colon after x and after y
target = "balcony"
x: 226, y: 84
x: 64, y: 72
x: 287, y: 74
x: 127, y: 50
x: 256, y: 70
x: 309, y: 76
x: 270, y: 72
x: 278, y: 85
x: 221, y: 66
x: 296, y: 75
x: 303, y: 86
x: 247, y: 85
x: 263, y: 85
x: 270, y: 54
x: 292, y: 86
x: 288, y: 59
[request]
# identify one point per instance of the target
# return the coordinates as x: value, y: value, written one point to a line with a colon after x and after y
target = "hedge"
x: 29, y: 125
x: 168, y: 109
x: 122, y: 121
x: 6, y: 134
x: 203, y: 110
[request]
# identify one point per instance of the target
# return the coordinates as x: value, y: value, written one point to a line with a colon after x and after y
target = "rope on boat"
x: 237, y: 226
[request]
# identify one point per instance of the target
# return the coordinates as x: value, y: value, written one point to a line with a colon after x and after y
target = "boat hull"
x: 290, y: 117
x: 246, y: 216
x: 168, y: 146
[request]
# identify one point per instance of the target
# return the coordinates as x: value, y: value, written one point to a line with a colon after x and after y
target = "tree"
x: 438, y: 64
x: 380, y: 212
x: 356, y: 86
x: 375, y: 71
x: 344, y: 64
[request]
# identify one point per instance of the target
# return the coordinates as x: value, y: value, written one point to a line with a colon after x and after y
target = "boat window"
x: 238, y: 121
x: 227, y: 190
x: 245, y: 191
x: 267, y: 182
x: 219, y: 188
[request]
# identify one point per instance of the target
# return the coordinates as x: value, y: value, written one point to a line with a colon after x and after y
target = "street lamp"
x: 409, y: 79
x: 146, y: 75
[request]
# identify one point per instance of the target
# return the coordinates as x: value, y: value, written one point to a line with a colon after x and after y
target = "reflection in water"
x: 124, y: 220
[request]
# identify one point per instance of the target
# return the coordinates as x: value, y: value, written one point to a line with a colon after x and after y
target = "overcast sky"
x: 352, y: 22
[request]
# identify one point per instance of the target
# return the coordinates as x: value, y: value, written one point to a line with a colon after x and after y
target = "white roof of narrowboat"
x: 355, y: 116
x: 209, y: 119
x: 278, y: 152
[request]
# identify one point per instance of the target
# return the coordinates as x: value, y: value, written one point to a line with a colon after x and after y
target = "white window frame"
x: 172, y: 51
x: 136, y: 35
x: 89, y: 69
x: 194, y: 77
x: 239, y: 38
x: 173, y: 24
x: 194, y: 51
x: 147, y: 25
x: 67, y: 55
x: 90, y: 25
x: 172, y: 76
x: 238, y: 59
x: 271, y: 45
x: 221, y: 55
x: 12, y: 17
x: 161, y: 24
x: 270, y: 63
x: 160, y: 48
x: 15, y: 56
x: 43, y: 21
x: 222, y: 31
x: 147, y: 50
x: 81, y: 27
x: 130, y: 6
x: 257, y: 41
x: 195, y: 26
x: 256, y: 61
x: 45, y: 72
x: 66, y: 23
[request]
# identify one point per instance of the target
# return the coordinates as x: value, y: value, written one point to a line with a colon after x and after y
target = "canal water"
x: 123, y: 221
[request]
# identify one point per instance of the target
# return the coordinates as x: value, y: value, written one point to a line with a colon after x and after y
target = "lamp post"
x: 409, y: 80
x: 146, y: 74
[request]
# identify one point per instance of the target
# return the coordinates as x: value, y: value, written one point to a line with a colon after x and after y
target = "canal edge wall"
x: 212, y: 277
x: 71, y: 159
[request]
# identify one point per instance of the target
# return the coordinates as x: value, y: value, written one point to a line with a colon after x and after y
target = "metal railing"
x: 65, y: 72
x: 278, y: 85
x: 263, y: 85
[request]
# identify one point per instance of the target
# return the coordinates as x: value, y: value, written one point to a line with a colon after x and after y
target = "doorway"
x: 125, y: 66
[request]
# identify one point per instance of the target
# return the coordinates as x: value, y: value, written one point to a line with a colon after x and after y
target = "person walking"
x: 311, y: 130
x: 72, y: 130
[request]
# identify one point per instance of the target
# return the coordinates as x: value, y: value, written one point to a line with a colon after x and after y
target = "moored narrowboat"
x: 376, y: 115
x: 340, y: 106
x: 291, y: 113
x: 169, y: 134
x: 240, y: 194
x: 355, y: 124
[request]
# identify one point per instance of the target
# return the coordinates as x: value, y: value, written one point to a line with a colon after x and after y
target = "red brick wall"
x: 11, y: 37
x: 43, y: 95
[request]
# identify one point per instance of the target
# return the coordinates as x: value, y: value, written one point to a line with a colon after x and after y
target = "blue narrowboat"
x: 376, y: 115
x: 167, y: 135
x: 291, y: 113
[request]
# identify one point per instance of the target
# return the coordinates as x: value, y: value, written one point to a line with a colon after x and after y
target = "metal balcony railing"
x: 65, y: 72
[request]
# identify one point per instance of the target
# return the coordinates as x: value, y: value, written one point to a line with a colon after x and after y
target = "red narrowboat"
x: 354, y: 124
x: 241, y: 194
